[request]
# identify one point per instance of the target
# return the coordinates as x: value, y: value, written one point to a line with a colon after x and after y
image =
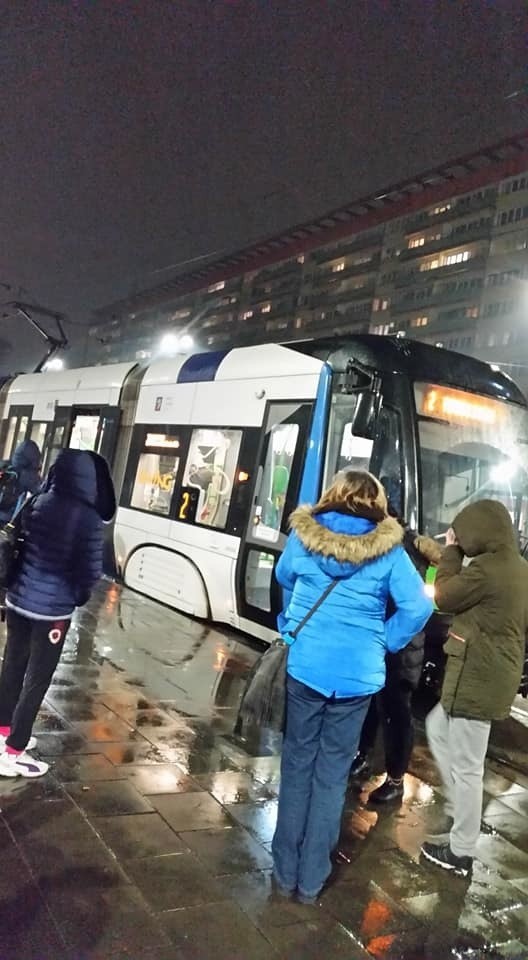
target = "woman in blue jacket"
x: 62, y: 560
x: 337, y: 661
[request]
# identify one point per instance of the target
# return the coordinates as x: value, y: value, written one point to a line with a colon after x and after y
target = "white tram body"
x: 193, y: 566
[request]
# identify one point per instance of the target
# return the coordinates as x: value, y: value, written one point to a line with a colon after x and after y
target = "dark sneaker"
x: 360, y: 765
x: 389, y: 792
x: 443, y: 856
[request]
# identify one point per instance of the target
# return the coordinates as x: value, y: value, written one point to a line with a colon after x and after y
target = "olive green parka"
x: 489, y: 599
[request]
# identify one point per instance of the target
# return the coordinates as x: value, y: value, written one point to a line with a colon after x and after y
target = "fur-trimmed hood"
x: 340, y: 541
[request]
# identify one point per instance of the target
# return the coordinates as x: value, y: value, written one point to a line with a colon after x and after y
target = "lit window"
x: 156, y: 473
x: 266, y: 308
x: 416, y: 242
x: 376, y: 304
x: 300, y: 259
x: 384, y: 305
x: 338, y: 267
x: 442, y: 209
x: 472, y: 312
x: 420, y: 322
x: 298, y: 322
x: 247, y: 314
x: 210, y: 470
x: 215, y: 287
x: 439, y: 343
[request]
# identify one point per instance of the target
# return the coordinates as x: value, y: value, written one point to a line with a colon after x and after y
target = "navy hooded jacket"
x: 26, y: 462
x: 62, y: 557
x: 341, y: 649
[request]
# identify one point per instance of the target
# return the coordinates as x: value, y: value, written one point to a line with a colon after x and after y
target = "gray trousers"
x: 459, y: 748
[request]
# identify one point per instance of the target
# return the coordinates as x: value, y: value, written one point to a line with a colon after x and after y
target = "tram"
x: 211, y: 452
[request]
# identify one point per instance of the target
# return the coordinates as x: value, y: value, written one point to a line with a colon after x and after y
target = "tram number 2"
x: 188, y: 504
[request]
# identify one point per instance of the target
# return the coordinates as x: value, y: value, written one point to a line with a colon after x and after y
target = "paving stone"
x: 174, y: 881
x: 221, y: 931
x: 227, y: 851
x: 158, y: 778
x: 84, y: 768
x: 139, y: 835
x: 191, y: 811
x: 106, y: 799
x: 259, y: 818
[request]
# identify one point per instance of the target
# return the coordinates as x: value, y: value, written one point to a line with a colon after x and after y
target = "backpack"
x: 9, y: 488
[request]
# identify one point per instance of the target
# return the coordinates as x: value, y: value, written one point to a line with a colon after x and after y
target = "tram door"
x: 84, y: 428
x: 17, y: 429
x: 279, y: 470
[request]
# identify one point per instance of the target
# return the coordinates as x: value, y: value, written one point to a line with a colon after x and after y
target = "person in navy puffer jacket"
x: 26, y: 464
x: 337, y: 661
x: 62, y: 560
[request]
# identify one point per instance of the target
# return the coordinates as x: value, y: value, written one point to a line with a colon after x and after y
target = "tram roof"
x: 418, y: 361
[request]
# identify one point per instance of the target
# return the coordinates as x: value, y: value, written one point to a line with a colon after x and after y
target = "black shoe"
x: 360, y: 765
x: 389, y: 791
x: 443, y: 856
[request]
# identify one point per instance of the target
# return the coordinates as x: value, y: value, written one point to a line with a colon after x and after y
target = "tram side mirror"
x: 366, y: 415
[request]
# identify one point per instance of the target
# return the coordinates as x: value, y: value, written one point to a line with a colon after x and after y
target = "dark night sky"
x: 137, y: 135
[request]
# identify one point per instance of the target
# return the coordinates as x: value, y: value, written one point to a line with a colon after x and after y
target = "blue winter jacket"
x: 342, y: 648
x: 62, y: 557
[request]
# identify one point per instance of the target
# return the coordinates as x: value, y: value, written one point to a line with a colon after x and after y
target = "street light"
x: 56, y: 363
x: 171, y: 343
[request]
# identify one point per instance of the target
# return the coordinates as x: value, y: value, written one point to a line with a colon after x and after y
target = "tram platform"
x: 150, y: 837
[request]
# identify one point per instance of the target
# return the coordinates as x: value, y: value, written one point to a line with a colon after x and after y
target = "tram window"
x: 38, y: 434
x: 259, y: 576
x: 345, y: 449
x: 84, y: 432
x: 8, y: 448
x: 156, y: 473
x: 57, y: 441
x: 211, y: 469
x: 387, y: 460
x: 273, y: 487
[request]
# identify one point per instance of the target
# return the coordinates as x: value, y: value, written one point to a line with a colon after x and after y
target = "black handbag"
x: 264, y: 700
x: 12, y: 538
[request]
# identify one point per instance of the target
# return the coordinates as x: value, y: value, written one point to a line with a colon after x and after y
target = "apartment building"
x: 442, y: 258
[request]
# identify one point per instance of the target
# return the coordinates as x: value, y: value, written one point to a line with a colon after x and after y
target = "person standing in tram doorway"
x: 392, y: 707
x: 485, y: 655
x: 19, y: 477
x: 347, y: 542
x: 61, y: 561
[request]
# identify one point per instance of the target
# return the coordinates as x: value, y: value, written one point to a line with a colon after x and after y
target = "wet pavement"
x: 150, y: 837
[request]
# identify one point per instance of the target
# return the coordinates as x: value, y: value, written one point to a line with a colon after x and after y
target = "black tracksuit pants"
x: 392, y: 707
x: 31, y: 656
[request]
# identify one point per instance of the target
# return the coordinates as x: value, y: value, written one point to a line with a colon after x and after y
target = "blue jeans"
x: 320, y: 742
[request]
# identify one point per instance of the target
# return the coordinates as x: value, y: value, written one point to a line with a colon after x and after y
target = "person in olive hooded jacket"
x: 485, y: 654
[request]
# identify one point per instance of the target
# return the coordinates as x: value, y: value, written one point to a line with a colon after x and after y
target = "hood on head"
x: 340, y: 542
x: 27, y: 456
x: 484, y: 527
x: 86, y: 476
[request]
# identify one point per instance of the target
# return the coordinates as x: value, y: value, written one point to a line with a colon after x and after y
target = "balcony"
x: 437, y: 298
x: 406, y: 279
x: 445, y: 323
x: 461, y: 209
x: 342, y: 250
x: 343, y: 296
x: 457, y: 238
x: 260, y: 294
x: 270, y: 274
x: 354, y: 270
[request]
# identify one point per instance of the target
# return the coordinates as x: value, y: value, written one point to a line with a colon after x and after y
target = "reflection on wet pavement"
x: 150, y: 838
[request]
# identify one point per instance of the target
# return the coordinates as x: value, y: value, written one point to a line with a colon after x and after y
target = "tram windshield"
x: 471, y: 447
